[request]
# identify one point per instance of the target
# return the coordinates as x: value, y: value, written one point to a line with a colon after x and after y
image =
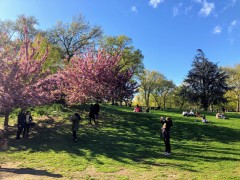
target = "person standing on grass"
x: 92, y: 114
x: 96, y: 108
x: 27, y: 123
x: 20, y: 123
x: 165, y: 133
x: 75, y: 119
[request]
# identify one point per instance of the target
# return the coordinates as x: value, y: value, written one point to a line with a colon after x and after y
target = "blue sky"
x: 167, y: 32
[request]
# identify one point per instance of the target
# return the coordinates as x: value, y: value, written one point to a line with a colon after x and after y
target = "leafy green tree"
x: 53, y: 61
x: 158, y: 89
x: 161, y: 90
x: 6, y: 30
x: 167, y: 89
x: 15, y: 29
x: 205, y: 83
x: 233, y: 81
x: 75, y: 36
x: 148, y: 84
x: 179, y: 100
x: 122, y: 44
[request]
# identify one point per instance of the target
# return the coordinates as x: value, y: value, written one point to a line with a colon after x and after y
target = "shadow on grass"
x: 198, y: 131
x: 127, y: 137
x: 31, y: 172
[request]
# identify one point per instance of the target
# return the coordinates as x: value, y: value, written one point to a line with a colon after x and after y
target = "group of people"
x: 76, y: 118
x: 138, y: 108
x: 24, y: 121
x: 190, y: 113
x: 220, y: 116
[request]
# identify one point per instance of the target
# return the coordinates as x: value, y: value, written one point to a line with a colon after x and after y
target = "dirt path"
x: 12, y: 171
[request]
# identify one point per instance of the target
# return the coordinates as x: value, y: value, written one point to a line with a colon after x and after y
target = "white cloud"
x: 229, y: 4
x: 134, y: 9
x: 176, y: 9
x: 217, y: 30
x: 234, y: 24
x: 187, y: 9
x: 154, y: 3
x: 206, y: 9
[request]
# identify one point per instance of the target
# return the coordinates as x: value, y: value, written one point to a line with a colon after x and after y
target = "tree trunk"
x: 6, y: 119
x: 238, y: 103
x: 147, y: 100
x: 164, y: 102
x: 113, y: 103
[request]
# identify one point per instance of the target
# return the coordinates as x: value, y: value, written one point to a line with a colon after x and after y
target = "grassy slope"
x: 126, y: 145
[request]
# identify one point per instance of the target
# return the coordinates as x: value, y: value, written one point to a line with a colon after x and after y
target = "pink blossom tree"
x: 23, y: 82
x: 94, y: 75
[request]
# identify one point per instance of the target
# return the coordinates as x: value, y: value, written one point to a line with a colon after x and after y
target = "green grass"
x: 127, y: 145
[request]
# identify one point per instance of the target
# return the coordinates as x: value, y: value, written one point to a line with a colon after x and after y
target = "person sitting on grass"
x: 220, y: 115
x: 185, y: 113
x: 204, y: 120
x: 147, y: 109
x: 137, y: 109
x: 198, y: 114
x: 191, y: 113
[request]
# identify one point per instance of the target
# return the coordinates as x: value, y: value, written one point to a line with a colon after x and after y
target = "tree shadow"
x: 30, y: 171
x: 128, y: 137
x: 198, y: 131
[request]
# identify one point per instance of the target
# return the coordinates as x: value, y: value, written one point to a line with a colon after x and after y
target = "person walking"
x: 75, y: 119
x: 20, y: 123
x: 165, y: 133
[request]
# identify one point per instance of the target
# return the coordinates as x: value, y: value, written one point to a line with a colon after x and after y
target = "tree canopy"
x: 205, y: 84
x: 75, y: 36
x: 23, y: 81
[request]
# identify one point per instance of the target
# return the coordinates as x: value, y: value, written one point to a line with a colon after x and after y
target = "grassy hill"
x: 124, y: 145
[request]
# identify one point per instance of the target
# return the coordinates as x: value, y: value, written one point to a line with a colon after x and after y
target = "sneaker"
x: 167, y: 154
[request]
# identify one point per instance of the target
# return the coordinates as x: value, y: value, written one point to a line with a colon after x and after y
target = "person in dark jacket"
x: 165, y: 132
x: 92, y: 115
x: 75, y: 119
x: 27, y: 123
x: 96, y: 108
x: 20, y: 123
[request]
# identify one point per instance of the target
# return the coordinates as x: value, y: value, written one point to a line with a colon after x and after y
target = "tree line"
x: 75, y: 62
x: 207, y: 87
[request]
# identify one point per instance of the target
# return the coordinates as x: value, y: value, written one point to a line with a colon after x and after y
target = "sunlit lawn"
x: 127, y: 145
